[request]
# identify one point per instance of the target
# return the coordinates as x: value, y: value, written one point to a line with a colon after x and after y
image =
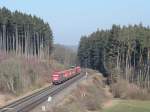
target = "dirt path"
x: 112, y: 101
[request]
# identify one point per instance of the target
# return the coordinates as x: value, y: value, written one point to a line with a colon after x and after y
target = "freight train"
x: 62, y: 76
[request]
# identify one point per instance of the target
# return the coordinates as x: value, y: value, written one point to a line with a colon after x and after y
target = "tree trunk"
x: 4, y: 38
x: 16, y: 36
x: 1, y: 36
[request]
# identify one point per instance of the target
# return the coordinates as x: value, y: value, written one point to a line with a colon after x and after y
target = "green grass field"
x: 129, y: 106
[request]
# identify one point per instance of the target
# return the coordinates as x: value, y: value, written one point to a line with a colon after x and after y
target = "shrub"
x: 91, y: 103
x: 125, y: 90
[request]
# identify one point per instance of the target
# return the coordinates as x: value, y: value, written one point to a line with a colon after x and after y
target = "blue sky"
x: 69, y: 19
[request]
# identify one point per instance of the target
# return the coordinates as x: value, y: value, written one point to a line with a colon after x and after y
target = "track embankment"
x: 27, y: 103
x: 88, y: 94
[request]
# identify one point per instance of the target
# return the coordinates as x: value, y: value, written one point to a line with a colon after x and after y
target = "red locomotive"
x: 59, y: 77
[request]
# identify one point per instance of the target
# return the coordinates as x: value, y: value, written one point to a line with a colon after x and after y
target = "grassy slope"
x: 129, y: 106
x: 19, y: 75
x: 87, y: 96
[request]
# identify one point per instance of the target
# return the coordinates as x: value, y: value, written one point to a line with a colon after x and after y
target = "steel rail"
x: 29, y: 102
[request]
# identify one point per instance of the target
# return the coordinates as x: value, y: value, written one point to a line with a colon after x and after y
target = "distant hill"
x: 72, y: 47
x: 66, y: 55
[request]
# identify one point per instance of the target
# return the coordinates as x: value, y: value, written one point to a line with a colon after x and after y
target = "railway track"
x: 29, y: 102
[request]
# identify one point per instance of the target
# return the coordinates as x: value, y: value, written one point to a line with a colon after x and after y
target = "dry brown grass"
x: 89, y: 95
x: 59, y: 109
x: 19, y: 75
x: 123, y: 89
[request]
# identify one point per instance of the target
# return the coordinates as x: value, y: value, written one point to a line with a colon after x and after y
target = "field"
x: 129, y: 106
